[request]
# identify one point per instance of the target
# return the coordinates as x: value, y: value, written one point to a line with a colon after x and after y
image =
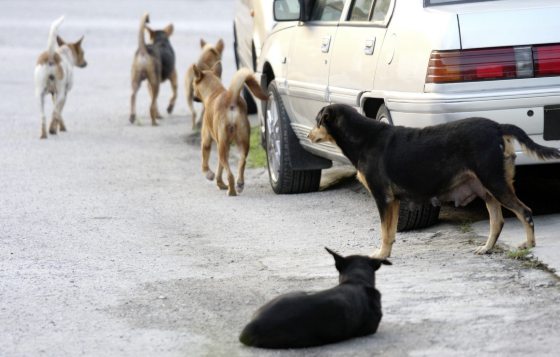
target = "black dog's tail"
x: 528, y: 145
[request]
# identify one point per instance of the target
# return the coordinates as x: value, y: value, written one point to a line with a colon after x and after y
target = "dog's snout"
x: 83, y: 65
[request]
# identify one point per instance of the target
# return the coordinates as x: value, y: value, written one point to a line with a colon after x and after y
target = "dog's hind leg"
x: 510, y: 201
x: 43, y: 118
x: 153, y: 85
x: 223, y: 154
x: 219, y: 179
x: 59, y: 100
x: 135, y: 86
x: 496, y: 224
x: 189, y: 90
x: 206, y: 146
x: 243, y: 144
x: 59, y: 107
x: 389, y: 213
x: 173, y: 80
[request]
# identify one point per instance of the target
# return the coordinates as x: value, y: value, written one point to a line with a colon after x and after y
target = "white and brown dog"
x: 54, y: 76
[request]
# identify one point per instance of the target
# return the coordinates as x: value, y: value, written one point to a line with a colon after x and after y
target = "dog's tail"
x: 245, y: 76
x: 141, y: 42
x: 51, y: 43
x: 528, y: 145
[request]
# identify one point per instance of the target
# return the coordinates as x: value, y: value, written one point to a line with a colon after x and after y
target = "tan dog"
x: 54, y: 76
x: 156, y: 63
x: 210, y: 58
x: 225, y: 121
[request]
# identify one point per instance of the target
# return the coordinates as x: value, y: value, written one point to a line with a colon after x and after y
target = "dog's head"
x: 357, y: 267
x: 77, y: 51
x: 320, y: 133
x: 211, y: 56
x: 205, y: 80
x: 160, y: 35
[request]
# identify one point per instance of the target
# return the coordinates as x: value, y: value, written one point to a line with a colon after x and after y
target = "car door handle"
x: 325, y: 44
x: 369, y: 47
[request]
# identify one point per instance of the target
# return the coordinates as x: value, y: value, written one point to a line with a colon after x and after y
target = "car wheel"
x: 410, y: 216
x: 235, y: 54
x: 283, y: 178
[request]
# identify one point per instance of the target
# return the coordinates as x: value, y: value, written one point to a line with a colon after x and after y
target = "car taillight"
x: 494, y: 63
x: 547, y: 60
x: 478, y: 64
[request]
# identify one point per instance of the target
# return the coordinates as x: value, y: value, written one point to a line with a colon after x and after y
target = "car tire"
x: 410, y: 216
x: 284, y: 179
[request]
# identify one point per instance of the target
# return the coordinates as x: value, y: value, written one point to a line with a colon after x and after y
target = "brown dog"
x: 210, y: 58
x: 156, y: 63
x: 225, y: 121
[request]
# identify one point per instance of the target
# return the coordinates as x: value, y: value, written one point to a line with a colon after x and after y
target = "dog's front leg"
x: 389, y: 213
x: 219, y: 179
x: 56, y: 114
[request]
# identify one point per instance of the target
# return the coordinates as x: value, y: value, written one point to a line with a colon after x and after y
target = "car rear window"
x: 447, y: 2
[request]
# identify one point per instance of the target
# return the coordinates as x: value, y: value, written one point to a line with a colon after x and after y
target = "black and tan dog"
x: 456, y: 162
x: 299, y: 319
x: 210, y: 58
x: 225, y: 121
x: 156, y: 63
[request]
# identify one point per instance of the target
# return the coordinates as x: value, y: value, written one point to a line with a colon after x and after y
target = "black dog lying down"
x: 299, y: 319
x: 457, y: 161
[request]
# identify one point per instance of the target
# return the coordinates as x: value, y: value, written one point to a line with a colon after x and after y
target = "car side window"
x: 380, y: 10
x: 327, y: 10
x: 360, y: 10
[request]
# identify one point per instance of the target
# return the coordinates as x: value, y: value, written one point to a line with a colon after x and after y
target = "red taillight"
x: 472, y: 65
x: 547, y: 60
x: 494, y: 63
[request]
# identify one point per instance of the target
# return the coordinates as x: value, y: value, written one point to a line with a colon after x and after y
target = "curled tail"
x: 528, y: 145
x: 141, y: 43
x: 245, y: 76
x: 51, y: 43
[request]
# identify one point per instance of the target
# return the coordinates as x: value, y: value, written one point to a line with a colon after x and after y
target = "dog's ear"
x: 386, y: 262
x: 323, y: 116
x: 60, y: 41
x: 202, y: 43
x: 376, y: 263
x: 197, y: 72
x: 79, y: 42
x: 151, y: 32
x: 217, y: 69
x: 168, y: 30
x: 339, y: 260
x: 220, y: 46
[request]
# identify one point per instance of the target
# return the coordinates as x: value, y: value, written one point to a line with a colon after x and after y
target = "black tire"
x: 283, y: 179
x: 251, y: 105
x: 410, y: 216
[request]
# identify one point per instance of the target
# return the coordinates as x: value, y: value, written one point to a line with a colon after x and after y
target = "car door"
x: 356, y: 50
x: 308, y: 64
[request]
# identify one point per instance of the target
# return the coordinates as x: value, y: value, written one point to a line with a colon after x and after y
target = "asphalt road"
x: 112, y: 243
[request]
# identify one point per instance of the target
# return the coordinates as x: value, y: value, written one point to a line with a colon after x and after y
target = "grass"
x: 257, y: 155
x: 527, y: 259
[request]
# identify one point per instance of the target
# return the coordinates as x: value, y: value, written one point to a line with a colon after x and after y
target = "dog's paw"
x: 380, y: 254
x: 170, y: 108
x: 210, y: 175
x: 221, y: 185
x: 526, y: 245
x: 232, y: 193
x: 240, y: 186
x: 481, y: 250
x: 43, y: 136
x: 52, y: 131
x: 132, y: 118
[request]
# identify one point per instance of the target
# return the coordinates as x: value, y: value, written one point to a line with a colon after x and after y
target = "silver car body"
x: 385, y: 61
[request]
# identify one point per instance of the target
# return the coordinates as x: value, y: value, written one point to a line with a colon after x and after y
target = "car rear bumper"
x: 525, y: 109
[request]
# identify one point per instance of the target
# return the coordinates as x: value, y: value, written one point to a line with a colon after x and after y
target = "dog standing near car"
x: 156, y: 64
x: 225, y: 121
x: 455, y: 162
x: 54, y: 76
x: 300, y: 319
x: 210, y: 58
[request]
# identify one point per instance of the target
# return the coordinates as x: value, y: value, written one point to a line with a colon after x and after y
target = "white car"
x: 252, y: 22
x: 405, y: 62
